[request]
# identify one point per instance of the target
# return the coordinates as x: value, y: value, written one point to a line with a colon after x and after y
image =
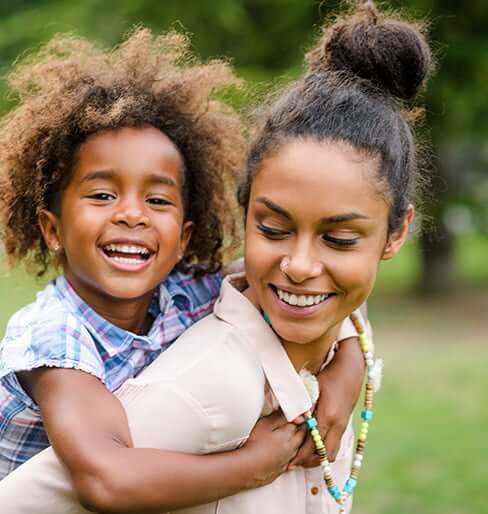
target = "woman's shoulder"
x: 217, y: 372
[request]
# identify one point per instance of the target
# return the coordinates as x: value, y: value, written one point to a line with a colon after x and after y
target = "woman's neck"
x: 310, y: 355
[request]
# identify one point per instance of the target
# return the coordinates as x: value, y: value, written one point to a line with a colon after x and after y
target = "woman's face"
x: 316, y: 230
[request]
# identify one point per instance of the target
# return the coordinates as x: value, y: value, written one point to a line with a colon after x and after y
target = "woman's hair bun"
x: 391, y: 53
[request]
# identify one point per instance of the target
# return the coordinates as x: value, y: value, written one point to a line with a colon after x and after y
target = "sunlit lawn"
x: 427, y: 451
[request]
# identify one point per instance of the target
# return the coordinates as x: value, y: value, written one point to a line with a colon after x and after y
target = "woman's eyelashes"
x: 339, y: 241
x: 276, y: 233
x: 272, y: 233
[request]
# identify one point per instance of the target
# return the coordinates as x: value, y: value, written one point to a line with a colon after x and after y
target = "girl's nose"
x: 131, y: 214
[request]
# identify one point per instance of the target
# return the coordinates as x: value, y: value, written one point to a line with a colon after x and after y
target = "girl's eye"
x: 272, y: 233
x: 340, y: 242
x: 103, y: 197
x: 158, y: 201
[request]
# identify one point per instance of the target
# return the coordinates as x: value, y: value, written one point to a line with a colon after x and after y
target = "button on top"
x: 315, y: 490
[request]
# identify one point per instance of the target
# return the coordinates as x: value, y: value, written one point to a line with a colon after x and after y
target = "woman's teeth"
x: 301, y: 300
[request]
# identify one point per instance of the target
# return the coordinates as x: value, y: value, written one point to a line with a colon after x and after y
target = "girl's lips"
x: 122, y: 264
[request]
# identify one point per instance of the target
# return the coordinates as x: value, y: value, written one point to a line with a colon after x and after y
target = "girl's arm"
x: 88, y: 428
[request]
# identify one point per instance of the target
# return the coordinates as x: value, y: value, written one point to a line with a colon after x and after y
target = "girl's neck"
x: 128, y: 314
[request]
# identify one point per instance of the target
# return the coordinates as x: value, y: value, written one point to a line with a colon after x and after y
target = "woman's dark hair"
x: 360, y: 75
x: 70, y: 89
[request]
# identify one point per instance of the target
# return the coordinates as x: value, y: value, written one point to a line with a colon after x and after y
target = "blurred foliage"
x: 266, y: 39
x: 269, y: 37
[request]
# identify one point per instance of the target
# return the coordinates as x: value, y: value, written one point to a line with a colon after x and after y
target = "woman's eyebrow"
x: 341, y: 218
x: 273, y: 207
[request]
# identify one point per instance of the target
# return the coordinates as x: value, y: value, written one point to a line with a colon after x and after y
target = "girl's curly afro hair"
x: 70, y: 89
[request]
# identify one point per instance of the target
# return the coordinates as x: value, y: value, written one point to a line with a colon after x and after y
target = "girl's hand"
x: 272, y: 444
x: 340, y: 385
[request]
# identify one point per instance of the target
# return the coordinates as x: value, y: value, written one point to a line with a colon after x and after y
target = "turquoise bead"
x: 334, y: 491
x: 311, y: 423
x: 350, y: 485
x: 367, y: 415
x: 266, y: 318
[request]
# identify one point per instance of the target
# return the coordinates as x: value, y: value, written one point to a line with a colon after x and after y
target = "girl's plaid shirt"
x: 60, y: 330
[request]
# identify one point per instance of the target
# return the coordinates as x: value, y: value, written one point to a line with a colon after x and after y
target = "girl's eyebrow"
x: 98, y: 175
x: 154, y: 178
x: 339, y: 218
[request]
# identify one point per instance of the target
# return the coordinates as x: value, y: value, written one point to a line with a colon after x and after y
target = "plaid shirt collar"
x: 114, y: 340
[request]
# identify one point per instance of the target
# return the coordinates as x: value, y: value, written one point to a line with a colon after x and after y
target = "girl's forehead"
x: 134, y: 150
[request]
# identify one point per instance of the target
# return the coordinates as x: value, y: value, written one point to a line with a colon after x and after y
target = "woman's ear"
x: 49, y: 225
x: 397, y: 239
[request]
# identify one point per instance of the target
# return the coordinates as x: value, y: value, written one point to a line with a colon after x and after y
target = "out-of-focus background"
x: 428, y: 452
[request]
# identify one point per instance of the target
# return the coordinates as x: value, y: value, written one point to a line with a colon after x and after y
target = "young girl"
x: 114, y: 167
x: 327, y: 195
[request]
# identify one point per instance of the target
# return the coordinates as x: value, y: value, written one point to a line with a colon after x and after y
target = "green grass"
x: 427, y: 448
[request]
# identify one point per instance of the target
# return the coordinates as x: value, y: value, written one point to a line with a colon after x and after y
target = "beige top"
x: 203, y: 395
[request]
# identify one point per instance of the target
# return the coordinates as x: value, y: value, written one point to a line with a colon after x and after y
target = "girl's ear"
x: 397, y: 239
x: 186, y: 231
x: 49, y: 225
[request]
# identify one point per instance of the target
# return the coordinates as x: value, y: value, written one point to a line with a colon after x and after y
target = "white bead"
x: 358, y: 456
x: 368, y: 355
x: 369, y: 363
x: 357, y: 463
x: 326, y: 467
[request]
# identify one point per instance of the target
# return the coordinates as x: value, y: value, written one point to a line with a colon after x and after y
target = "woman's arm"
x: 88, y: 428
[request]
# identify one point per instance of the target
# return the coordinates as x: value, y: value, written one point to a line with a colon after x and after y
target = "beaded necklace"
x: 373, y: 371
x: 372, y: 385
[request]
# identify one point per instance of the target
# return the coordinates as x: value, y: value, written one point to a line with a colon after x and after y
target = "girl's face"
x: 316, y: 230
x: 121, y: 222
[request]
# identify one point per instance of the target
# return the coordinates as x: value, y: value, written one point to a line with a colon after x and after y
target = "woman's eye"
x: 103, y: 197
x: 340, y: 242
x: 272, y: 233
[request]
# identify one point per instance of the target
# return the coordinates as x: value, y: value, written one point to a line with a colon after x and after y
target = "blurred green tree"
x: 267, y: 38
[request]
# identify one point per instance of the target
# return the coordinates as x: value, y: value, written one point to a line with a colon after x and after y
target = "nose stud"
x: 285, y: 262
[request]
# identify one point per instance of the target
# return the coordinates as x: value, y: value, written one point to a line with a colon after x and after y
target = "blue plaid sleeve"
x: 59, y: 341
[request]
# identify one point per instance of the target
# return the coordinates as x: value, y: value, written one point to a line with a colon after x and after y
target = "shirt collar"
x: 234, y: 308
x: 112, y: 338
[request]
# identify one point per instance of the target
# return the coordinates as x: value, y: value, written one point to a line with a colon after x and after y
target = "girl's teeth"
x: 132, y: 249
x: 301, y: 300
x: 125, y: 260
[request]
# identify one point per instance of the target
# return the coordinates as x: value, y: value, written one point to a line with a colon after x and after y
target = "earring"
x: 285, y: 262
x: 56, y: 247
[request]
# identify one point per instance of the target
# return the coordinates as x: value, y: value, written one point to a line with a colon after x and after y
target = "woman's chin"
x: 297, y: 335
